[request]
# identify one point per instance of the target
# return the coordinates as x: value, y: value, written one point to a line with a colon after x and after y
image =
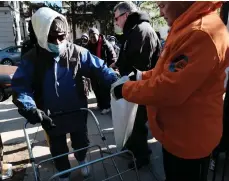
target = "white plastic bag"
x: 123, y: 117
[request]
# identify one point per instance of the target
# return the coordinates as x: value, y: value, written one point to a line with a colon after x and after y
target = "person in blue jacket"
x: 49, y: 80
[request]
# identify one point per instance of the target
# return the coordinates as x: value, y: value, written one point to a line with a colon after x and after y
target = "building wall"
x: 24, y: 23
x: 6, y: 28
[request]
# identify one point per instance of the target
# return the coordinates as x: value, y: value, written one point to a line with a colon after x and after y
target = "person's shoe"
x: 85, y: 171
x: 139, y: 163
x: 105, y: 111
x: 212, y: 165
x: 64, y: 179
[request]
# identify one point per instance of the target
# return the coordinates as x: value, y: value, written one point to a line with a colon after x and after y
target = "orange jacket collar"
x: 197, y: 10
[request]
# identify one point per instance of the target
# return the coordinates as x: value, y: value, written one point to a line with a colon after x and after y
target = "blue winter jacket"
x: 61, y: 89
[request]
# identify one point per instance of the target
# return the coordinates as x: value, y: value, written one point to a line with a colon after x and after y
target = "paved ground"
x: 15, y: 150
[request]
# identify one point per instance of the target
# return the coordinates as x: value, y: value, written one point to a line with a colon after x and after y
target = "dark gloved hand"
x: 118, y: 91
x: 33, y: 116
x: 47, y: 122
x: 135, y: 74
x: 116, y: 88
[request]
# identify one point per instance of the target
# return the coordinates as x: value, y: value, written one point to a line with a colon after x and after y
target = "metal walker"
x: 110, y: 155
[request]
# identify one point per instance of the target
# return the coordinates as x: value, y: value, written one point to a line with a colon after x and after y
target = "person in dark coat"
x: 140, y: 49
x: 84, y: 40
x: 99, y: 46
x: 49, y: 80
x: 113, y: 42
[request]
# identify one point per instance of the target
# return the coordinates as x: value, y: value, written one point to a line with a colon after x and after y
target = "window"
x: 14, y: 50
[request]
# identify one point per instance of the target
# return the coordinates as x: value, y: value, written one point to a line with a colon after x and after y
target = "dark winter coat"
x: 140, y: 48
x: 139, y: 44
x: 107, y: 52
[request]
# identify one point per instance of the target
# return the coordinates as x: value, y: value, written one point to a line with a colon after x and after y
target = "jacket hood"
x: 41, y: 21
x: 134, y: 19
x: 196, y: 10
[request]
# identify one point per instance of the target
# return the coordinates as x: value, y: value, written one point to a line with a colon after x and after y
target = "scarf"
x: 99, y: 47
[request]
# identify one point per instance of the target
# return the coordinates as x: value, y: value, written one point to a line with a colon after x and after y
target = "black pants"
x: 137, y: 143
x: 58, y: 146
x: 102, y: 94
x: 178, y: 169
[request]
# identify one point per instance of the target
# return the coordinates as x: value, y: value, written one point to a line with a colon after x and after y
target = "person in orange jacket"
x: 183, y: 93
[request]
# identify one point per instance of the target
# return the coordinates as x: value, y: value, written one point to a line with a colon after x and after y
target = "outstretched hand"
x: 116, y: 88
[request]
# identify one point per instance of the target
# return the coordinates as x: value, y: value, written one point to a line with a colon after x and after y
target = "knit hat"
x: 94, y: 31
x: 85, y: 36
x: 58, y: 27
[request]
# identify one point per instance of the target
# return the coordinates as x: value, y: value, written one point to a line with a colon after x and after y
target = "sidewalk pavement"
x: 11, y: 128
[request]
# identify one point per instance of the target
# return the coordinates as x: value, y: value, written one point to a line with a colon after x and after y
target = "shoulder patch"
x: 178, y: 63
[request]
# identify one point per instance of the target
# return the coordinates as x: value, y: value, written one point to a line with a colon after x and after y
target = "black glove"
x: 118, y: 91
x: 133, y: 76
x: 33, y: 116
x: 47, y: 123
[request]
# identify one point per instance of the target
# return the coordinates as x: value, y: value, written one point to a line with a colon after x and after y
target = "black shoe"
x: 139, y: 163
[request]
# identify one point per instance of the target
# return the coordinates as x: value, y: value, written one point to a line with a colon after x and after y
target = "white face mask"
x: 118, y: 30
x: 58, y: 49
